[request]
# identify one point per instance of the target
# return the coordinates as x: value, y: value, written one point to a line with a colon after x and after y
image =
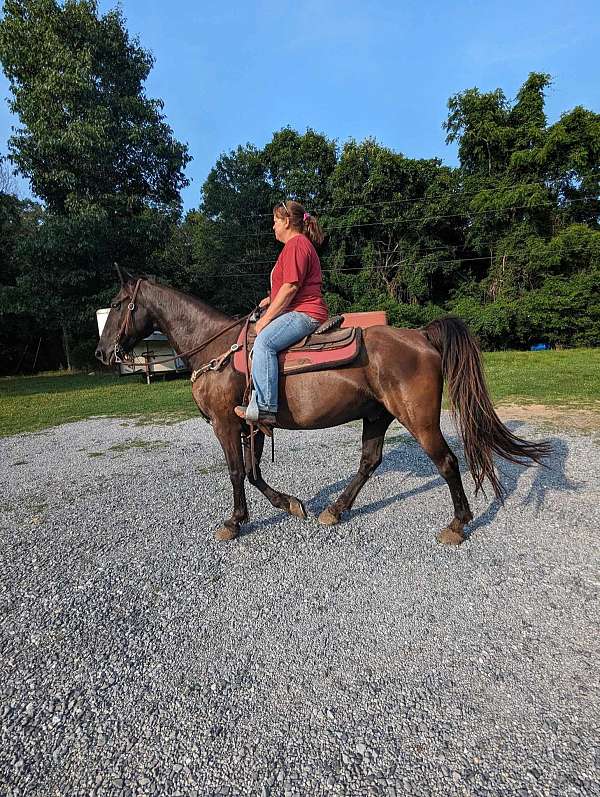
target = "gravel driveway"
x: 138, y: 656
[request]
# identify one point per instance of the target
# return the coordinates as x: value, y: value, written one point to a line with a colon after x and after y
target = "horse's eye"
x: 115, y: 305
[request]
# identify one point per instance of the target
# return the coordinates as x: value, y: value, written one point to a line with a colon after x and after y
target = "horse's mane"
x: 181, y: 296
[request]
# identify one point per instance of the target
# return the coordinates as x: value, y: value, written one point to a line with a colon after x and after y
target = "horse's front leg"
x: 372, y: 447
x: 228, y: 435
x: 289, y: 503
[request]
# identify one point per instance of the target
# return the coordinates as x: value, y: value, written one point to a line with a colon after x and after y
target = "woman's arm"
x: 284, y: 296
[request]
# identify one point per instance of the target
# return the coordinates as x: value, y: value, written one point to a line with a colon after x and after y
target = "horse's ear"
x: 124, y: 275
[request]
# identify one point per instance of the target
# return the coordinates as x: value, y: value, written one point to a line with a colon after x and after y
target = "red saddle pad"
x: 302, y: 360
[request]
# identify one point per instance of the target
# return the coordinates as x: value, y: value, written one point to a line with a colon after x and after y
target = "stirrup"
x: 265, y: 419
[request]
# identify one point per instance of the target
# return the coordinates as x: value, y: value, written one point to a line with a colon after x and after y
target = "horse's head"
x: 128, y: 322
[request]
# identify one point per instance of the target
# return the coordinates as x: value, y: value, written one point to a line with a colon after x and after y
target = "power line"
x: 421, y: 253
x: 435, y: 217
x: 449, y: 194
x: 350, y: 269
x: 346, y: 254
x: 458, y: 215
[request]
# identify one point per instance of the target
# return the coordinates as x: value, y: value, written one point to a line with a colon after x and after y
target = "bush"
x: 493, y: 323
x: 564, y: 311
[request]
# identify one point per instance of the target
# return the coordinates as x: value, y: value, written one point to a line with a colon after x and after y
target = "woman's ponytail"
x: 300, y: 220
x: 312, y: 230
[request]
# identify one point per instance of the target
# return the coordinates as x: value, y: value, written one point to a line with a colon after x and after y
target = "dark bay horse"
x: 398, y: 374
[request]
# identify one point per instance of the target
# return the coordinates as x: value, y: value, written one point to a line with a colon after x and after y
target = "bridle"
x: 122, y: 356
x: 214, y: 365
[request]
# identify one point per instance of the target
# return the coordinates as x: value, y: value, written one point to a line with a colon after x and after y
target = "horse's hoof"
x: 297, y: 508
x: 225, y: 533
x: 327, y: 518
x: 448, y: 536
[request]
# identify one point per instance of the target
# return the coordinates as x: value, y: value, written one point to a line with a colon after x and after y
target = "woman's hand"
x: 265, y: 302
x: 261, y: 324
x: 284, y: 296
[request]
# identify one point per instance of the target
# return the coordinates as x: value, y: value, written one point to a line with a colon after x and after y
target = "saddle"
x: 335, y: 343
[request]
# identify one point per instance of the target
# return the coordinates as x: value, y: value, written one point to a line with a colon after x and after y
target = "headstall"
x: 120, y: 354
x: 214, y: 365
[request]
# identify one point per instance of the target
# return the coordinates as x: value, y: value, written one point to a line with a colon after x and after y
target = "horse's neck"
x: 186, y: 321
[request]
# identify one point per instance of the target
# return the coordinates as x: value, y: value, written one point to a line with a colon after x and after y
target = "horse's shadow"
x: 548, y: 477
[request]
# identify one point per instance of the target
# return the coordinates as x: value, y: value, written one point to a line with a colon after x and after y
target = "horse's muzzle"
x: 104, y: 358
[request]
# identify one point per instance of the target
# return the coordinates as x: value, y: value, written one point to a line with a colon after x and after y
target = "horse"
x: 398, y: 374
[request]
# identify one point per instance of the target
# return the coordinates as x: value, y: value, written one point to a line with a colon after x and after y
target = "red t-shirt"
x: 299, y: 262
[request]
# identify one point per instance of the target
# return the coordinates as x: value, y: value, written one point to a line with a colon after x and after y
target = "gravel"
x: 140, y: 657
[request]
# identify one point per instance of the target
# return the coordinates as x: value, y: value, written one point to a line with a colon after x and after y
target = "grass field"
x: 569, y: 378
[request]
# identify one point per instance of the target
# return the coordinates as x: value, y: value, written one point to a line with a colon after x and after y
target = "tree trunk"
x: 66, y: 345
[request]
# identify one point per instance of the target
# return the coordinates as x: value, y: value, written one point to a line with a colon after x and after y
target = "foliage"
x: 96, y: 150
x: 90, y: 138
x: 490, y: 241
x: 509, y: 240
x: 231, y: 244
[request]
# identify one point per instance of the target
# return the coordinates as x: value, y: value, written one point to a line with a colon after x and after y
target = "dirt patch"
x: 575, y: 417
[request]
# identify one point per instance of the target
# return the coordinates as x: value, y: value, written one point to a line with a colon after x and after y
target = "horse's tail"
x: 481, y: 429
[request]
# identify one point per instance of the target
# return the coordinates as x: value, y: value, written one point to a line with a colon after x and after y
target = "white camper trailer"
x: 146, y: 353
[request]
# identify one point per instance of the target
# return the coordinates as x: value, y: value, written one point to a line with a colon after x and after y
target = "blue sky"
x: 232, y: 73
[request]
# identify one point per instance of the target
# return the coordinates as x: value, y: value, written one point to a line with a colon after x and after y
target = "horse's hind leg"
x: 421, y: 416
x: 372, y: 447
x: 434, y: 444
x: 288, y: 503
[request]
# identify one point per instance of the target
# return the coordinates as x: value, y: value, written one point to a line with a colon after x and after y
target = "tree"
x: 230, y: 236
x: 300, y: 167
x: 91, y: 139
x: 7, y: 180
x: 388, y: 238
x: 523, y: 181
x: 95, y: 148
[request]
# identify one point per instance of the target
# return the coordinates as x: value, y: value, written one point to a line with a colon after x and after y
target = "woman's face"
x: 281, y: 225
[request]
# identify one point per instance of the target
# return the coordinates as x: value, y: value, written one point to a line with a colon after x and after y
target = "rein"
x: 126, y: 325
x: 214, y: 365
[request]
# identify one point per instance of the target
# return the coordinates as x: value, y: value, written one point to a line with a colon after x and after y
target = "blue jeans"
x: 282, y: 332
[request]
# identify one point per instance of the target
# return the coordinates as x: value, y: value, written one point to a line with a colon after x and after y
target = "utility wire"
x: 348, y: 269
x: 378, y: 252
x: 448, y: 194
x: 434, y: 217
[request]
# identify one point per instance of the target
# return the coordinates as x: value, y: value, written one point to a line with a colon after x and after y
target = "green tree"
x: 230, y: 237
x: 299, y: 166
x: 7, y: 182
x: 95, y: 148
x: 90, y: 138
x: 389, y: 241
x: 524, y: 183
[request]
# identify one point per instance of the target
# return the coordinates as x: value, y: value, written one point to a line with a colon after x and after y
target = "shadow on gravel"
x: 409, y: 460
x: 418, y: 464
x: 551, y: 477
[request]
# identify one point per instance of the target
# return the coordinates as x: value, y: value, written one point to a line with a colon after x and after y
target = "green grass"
x: 570, y: 377
x: 32, y: 403
x: 564, y: 377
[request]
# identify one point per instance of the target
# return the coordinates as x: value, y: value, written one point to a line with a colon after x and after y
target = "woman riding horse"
x: 294, y: 307
x: 399, y: 373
